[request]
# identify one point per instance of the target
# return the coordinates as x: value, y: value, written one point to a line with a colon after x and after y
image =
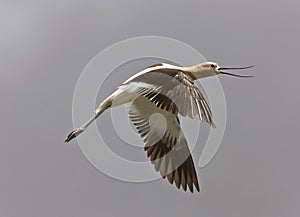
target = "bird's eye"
x: 212, y: 65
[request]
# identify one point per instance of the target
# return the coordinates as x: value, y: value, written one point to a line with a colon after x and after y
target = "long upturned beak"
x: 234, y: 68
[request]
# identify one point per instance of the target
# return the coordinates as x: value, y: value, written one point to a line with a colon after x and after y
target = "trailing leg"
x: 103, y: 106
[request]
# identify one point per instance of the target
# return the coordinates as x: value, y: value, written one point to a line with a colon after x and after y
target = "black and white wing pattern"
x: 165, y: 143
x: 170, y: 89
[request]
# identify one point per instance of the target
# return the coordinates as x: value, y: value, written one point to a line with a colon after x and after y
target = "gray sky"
x: 46, y: 45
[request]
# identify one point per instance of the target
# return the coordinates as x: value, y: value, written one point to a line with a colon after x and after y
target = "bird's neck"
x: 197, y: 72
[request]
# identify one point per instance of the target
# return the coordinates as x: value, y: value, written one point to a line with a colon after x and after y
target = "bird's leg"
x: 103, y: 106
x: 79, y: 130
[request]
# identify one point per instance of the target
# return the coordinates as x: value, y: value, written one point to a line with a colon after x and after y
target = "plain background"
x: 44, y: 46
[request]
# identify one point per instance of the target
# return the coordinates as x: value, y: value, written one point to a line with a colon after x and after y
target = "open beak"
x: 234, y: 68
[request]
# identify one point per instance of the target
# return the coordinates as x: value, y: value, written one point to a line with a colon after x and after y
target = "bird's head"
x: 211, y: 68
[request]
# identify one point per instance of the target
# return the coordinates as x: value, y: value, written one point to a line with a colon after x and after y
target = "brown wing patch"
x: 155, y: 65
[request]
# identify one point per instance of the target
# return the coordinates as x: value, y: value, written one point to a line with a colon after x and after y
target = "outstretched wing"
x: 165, y: 143
x: 170, y: 89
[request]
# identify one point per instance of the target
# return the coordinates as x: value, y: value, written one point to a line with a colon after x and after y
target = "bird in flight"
x: 157, y: 96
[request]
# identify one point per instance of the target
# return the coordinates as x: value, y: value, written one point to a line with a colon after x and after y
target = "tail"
x: 103, y: 106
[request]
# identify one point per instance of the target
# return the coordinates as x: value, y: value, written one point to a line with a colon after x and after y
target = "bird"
x: 158, y: 95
